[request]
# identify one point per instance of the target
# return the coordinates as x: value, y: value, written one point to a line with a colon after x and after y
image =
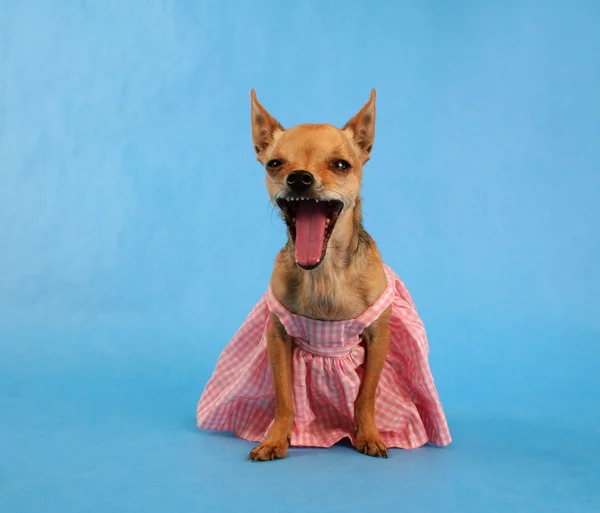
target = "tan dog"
x: 330, y: 268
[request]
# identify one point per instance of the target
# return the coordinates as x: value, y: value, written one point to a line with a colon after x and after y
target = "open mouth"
x: 310, y: 223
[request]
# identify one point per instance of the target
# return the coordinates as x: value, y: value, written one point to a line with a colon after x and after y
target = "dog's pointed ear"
x: 264, y: 127
x: 361, y: 128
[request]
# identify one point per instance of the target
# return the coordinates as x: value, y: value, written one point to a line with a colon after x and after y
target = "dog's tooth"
x: 317, y: 200
x: 328, y: 221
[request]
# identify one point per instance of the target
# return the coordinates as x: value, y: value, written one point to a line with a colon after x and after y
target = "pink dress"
x: 327, y: 369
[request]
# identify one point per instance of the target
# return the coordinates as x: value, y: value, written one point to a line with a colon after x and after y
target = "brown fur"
x: 350, y: 277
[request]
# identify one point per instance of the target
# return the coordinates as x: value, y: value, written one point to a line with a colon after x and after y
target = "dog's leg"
x: 377, y: 343
x: 279, y: 347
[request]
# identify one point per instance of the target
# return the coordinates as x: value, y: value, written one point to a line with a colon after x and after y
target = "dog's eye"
x: 340, y: 165
x: 274, y: 163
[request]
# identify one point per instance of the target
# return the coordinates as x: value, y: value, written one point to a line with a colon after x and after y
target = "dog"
x: 330, y: 268
x: 337, y: 330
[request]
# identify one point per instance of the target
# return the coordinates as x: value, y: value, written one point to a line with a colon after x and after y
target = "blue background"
x: 136, y: 235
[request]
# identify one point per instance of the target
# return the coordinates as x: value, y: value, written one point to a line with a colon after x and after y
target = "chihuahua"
x: 335, y: 348
x: 330, y: 268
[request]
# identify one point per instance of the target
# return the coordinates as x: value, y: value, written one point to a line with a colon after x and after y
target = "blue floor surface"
x: 108, y: 425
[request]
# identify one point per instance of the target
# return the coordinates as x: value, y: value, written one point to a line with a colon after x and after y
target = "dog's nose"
x: 299, y: 180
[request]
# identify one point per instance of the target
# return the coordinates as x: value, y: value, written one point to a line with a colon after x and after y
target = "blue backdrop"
x: 136, y: 234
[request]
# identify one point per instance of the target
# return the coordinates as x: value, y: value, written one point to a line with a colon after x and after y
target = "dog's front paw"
x: 269, y: 450
x: 371, y: 444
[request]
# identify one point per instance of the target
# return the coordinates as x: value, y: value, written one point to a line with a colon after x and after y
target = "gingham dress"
x: 327, y: 369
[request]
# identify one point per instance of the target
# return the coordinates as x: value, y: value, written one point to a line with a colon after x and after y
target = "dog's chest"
x: 329, y: 298
x: 323, y: 306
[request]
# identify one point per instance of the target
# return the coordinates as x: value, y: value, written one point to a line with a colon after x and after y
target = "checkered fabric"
x: 327, y: 370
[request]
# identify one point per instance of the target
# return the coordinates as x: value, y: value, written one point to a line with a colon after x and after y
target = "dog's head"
x: 314, y: 173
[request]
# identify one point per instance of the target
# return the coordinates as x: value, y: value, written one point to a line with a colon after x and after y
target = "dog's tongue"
x: 311, y: 219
